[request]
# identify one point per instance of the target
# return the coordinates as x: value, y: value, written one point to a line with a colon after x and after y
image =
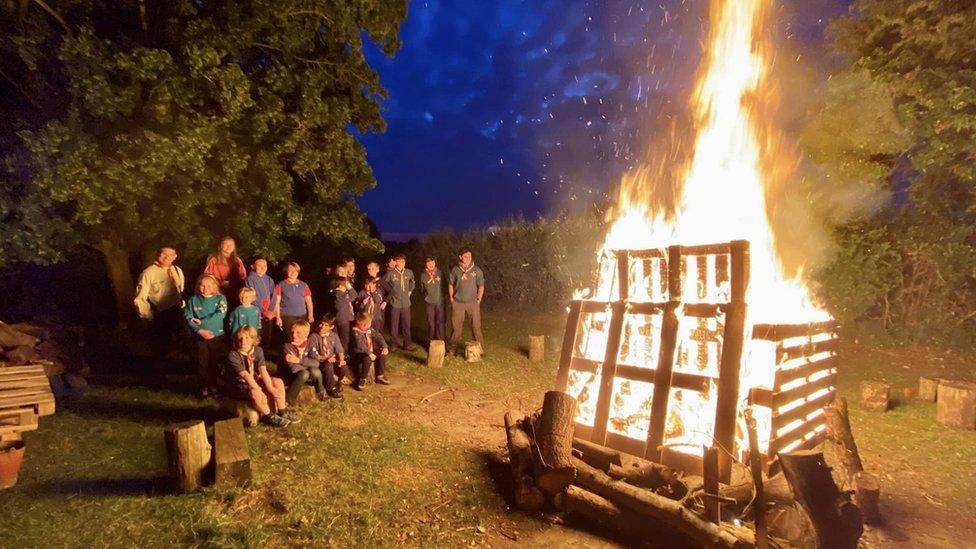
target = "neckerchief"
x: 430, y: 275
x: 403, y: 282
x: 464, y: 272
x: 366, y: 336
x: 248, y: 361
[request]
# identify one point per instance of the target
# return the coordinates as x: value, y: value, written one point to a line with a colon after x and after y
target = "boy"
x: 246, y: 377
x: 293, y: 299
x: 371, y: 300
x: 246, y: 314
x: 369, y: 349
x: 159, y: 300
x: 304, y: 367
x: 324, y: 344
x: 264, y: 298
x: 204, y: 314
x: 343, y: 297
x: 401, y: 283
x: 466, y: 289
x: 433, y: 286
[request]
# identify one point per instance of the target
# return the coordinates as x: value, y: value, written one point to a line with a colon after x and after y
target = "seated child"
x: 371, y: 301
x: 368, y: 349
x: 325, y: 345
x: 303, y: 366
x: 247, y: 313
x: 247, y: 378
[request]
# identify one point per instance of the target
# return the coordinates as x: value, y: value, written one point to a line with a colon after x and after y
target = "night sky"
x: 505, y: 108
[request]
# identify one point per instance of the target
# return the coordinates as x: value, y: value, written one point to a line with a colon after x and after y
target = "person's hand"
x: 225, y: 283
x: 196, y: 321
x: 291, y: 358
x: 278, y: 322
x: 385, y: 351
x: 310, y: 319
x: 383, y: 305
x: 372, y: 356
x: 206, y: 334
x: 342, y: 363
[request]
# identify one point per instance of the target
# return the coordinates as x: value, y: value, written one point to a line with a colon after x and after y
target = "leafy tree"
x: 133, y: 124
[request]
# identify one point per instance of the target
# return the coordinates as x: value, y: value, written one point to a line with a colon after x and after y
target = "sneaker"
x: 290, y: 415
x: 382, y: 380
x: 274, y: 420
x: 334, y: 394
x: 360, y: 385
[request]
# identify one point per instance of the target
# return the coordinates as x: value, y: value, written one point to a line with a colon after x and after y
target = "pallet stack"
x: 25, y: 396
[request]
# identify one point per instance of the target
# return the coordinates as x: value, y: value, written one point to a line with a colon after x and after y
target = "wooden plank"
x: 646, y: 254
x: 29, y: 369
x: 727, y: 400
x: 591, y: 306
x: 609, y: 371
x: 623, y: 275
x: 704, y: 310
x: 23, y: 383
x: 784, y: 376
x: 4, y: 376
x: 806, y: 349
x: 581, y: 364
x: 662, y: 381
x: 761, y: 396
x: 674, y: 273
x: 777, y: 332
x: 785, y: 397
x: 782, y: 419
x: 569, y: 345
x: 232, y: 462
x: 635, y: 373
x: 777, y: 444
x: 12, y: 429
x: 23, y: 392
x: 646, y: 308
x: 708, y: 249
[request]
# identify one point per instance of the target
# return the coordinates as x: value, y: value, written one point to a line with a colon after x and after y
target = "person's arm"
x: 211, y: 268
x: 450, y: 287
x: 141, y: 300
x: 412, y: 284
x: 481, y: 284
x: 277, y: 305
x: 308, y: 304
x: 191, y: 320
x: 378, y: 340
x: 180, y: 283
x: 249, y: 379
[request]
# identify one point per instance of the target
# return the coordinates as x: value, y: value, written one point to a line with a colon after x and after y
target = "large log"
x: 875, y: 396
x: 537, y: 348
x: 837, y: 521
x: 188, y: 455
x: 596, y: 455
x: 956, y: 405
x: 867, y: 489
x: 776, y: 490
x: 755, y: 465
x: 867, y: 495
x: 232, y: 461
x: 606, y: 515
x: 528, y: 497
x: 435, y: 354
x: 666, y: 513
x: 553, y: 433
x: 928, y: 388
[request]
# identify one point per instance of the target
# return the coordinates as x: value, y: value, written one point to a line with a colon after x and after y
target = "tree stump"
x: 875, y: 396
x: 306, y: 396
x: 188, y: 455
x: 537, y: 348
x: 956, y: 404
x: 472, y: 351
x: 436, y: 353
x: 928, y: 388
x: 232, y: 462
x: 232, y: 407
x: 554, y: 469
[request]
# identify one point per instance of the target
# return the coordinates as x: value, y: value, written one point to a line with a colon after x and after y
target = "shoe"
x: 334, y: 394
x: 290, y: 415
x: 408, y: 348
x: 382, y: 380
x: 360, y: 385
x: 274, y: 420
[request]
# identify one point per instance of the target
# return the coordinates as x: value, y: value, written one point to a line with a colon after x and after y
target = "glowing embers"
x: 630, y: 408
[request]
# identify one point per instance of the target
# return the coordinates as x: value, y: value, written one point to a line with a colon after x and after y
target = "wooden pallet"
x: 25, y: 395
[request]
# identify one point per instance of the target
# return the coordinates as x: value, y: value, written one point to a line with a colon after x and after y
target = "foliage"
x: 151, y: 122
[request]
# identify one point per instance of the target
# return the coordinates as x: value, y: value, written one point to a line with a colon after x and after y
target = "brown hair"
x: 363, y: 317
x: 219, y: 257
x: 248, y: 332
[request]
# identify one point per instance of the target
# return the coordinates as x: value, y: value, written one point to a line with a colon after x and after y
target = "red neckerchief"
x: 301, y: 349
x: 248, y: 360
x: 369, y: 340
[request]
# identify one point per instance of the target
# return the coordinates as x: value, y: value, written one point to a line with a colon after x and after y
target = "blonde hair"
x: 246, y: 291
x: 245, y: 332
x: 208, y: 277
x: 300, y: 325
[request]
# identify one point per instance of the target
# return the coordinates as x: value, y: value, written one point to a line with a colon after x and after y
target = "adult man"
x: 159, y: 299
x: 401, y: 283
x: 466, y: 288
x: 433, y: 286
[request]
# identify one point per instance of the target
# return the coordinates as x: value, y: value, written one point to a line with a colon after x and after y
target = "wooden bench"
x: 25, y: 395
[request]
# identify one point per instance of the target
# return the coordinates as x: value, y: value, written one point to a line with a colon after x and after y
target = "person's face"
x: 430, y: 265
x: 228, y: 246
x: 466, y: 258
x: 207, y: 288
x: 299, y: 335
x: 261, y: 267
x: 325, y: 329
x: 291, y: 273
x: 400, y: 264
x: 364, y: 325
x: 166, y: 257
x: 373, y: 269
x: 247, y: 299
x: 350, y: 268
x: 340, y: 270
x: 245, y: 344
x: 391, y: 264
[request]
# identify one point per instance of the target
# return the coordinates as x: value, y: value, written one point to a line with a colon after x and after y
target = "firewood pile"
x: 644, y: 502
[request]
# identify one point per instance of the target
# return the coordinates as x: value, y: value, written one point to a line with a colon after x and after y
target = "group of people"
x: 256, y: 313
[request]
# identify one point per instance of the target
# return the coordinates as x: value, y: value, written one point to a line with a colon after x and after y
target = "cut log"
x: 21, y: 355
x: 553, y: 434
x: 537, y: 348
x: 528, y: 497
x: 232, y: 461
x: 790, y: 523
x: 604, y: 514
x: 11, y: 337
x: 665, y: 513
x: 928, y: 388
x: 306, y: 397
x: 837, y: 521
x: 755, y: 465
x: 839, y: 432
x: 435, y: 354
x: 956, y: 405
x: 242, y: 409
x: 643, y: 473
x: 596, y: 455
x: 188, y: 454
x: 472, y: 351
x: 776, y: 489
x: 867, y: 495
x: 875, y: 396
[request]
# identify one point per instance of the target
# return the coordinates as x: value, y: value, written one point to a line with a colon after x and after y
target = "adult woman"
x: 225, y: 266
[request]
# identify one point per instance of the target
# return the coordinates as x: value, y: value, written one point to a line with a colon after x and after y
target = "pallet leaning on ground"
x: 25, y: 395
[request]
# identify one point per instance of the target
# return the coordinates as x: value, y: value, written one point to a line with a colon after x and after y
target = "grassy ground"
x: 416, y: 463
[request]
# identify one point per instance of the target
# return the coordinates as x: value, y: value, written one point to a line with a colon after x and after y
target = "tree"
x: 135, y: 124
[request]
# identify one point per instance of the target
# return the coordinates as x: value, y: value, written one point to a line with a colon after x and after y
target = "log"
x: 232, y: 461
x: 537, y: 348
x: 528, y: 497
x: 436, y: 353
x: 666, y: 513
x: 188, y: 455
x: 791, y: 524
x: 713, y: 508
x: 596, y: 455
x: 875, y: 396
x: 776, y: 489
x: 928, y: 388
x: 839, y: 432
x: 242, y: 409
x: 10, y: 337
x: 604, y: 514
x: 553, y: 433
x: 472, y: 351
x: 956, y: 404
x: 837, y: 521
x: 643, y: 473
x: 755, y: 465
x: 867, y: 495
x: 306, y: 397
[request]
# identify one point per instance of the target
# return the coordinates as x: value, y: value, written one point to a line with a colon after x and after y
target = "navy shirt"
x: 401, y: 286
x: 433, y: 286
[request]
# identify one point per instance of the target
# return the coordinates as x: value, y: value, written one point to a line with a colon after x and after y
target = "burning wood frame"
x: 662, y: 367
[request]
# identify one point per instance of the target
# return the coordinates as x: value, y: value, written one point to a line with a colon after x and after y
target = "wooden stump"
x: 232, y: 407
x: 188, y: 455
x: 435, y: 354
x: 306, y: 396
x: 554, y: 469
x: 928, y: 388
x: 232, y: 462
x: 528, y: 497
x: 537, y: 348
x: 837, y: 520
x: 875, y: 396
x: 472, y: 351
x: 957, y: 404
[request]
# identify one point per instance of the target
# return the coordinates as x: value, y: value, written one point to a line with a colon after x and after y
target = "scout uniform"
x: 364, y: 343
x: 328, y: 350
x: 264, y: 298
x: 342, y: 302
x: 433, y: 285
x: 466, y: 283
x: 159, y: 297
x: 304, y: 370
x: 372, y: 303
x: 401, y: 284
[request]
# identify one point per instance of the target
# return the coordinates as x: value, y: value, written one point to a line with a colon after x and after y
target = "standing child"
x: 371, y: 300
x: 343, y: 298
x: 246, y: 377
x: 369, y: 350
x: 324, y: 344
x: 433, y: 286
x: 204, y: 314
x: 247, y: 313
x: 293, y: 299
x: 304, y: 367
x: 226, y: 267
x: 401, y: 283
x: 264, y: 287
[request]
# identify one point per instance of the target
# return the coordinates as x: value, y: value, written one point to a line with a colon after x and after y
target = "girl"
x: 293, y: 299
x: 246, y: 377
x: 204, y: 314
x: 226, y: 267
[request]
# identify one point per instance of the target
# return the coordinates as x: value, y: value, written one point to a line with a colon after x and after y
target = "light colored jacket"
x: 159, y: 289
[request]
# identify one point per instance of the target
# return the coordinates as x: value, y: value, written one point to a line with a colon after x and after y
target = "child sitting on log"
x: 369, y: 349
x: 247, y: 313
x: 324, y: 345
x: 246, y: 377
x: 304, y: 367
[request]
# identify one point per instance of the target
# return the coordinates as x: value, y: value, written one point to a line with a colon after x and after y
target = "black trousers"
x: 162, y: 328
x: 435, y: 321
x: 344, y: 329
x: 321, y: 378
x: 400, y: 327
x: 361, y: 363
x: 209, y: 354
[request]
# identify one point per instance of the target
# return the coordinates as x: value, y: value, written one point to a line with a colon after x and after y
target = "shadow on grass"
x: 500, y: 472
x: 125, y: 486
x: 155, y: 412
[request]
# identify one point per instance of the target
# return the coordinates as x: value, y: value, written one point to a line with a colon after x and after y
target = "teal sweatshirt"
x: 211, y: 311
x: 245, y: 316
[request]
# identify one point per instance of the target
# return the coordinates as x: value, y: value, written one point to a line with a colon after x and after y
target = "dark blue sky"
x: 503, y: 108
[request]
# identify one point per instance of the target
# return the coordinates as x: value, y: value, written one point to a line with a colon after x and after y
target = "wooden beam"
x: 604, y: 398
x: 569, y: 345
x: 777, y: 332
x: 662, y: 381
x: 806, y: 370
x: 788, y: 396
x: 727, y: 401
